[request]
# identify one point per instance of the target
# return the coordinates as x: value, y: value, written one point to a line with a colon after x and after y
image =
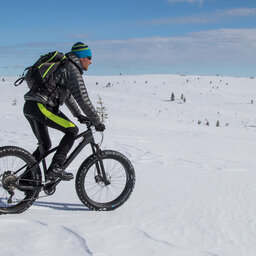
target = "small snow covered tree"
x: 101, y: 110
x: 172, y: 97
x: 14, y: 102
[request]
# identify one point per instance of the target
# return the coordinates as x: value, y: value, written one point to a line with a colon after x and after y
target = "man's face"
x: 85, y: 62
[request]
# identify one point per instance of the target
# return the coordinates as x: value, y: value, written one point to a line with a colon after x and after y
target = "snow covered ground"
x: 195, y: 192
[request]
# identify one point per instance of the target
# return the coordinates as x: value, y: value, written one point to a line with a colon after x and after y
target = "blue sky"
x: 201, y: 37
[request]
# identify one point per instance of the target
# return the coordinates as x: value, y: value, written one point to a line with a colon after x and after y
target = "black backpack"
x: 40, y: 75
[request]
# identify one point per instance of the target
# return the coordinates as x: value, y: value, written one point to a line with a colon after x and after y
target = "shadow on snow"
x: 62, y: 206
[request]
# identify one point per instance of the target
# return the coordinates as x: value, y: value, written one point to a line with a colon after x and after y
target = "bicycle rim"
x: 95, y: 187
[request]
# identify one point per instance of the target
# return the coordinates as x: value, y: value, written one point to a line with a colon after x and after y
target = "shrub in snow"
x: 172, y: 97
x: 101, y: 110
x: 218, y: 123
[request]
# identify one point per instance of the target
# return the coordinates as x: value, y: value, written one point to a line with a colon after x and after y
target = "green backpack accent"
x: 40, y: 75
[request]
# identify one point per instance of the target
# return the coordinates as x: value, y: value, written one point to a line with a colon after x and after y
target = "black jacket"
x: 70, y: 89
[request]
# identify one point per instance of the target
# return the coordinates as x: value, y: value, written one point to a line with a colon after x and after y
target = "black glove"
x: 100, y: 127
x: 82, y: 119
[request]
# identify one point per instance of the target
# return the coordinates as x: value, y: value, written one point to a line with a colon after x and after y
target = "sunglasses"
x: 89, y: 57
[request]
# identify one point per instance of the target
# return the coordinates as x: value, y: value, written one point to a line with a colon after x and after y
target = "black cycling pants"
x: 47, y: 116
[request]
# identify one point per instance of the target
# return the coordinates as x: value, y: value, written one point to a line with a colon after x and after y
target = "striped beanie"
x: 81, y: 50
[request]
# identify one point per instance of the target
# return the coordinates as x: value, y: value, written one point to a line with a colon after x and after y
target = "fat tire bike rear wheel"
x: 97, y: 194
x: 13, y: 162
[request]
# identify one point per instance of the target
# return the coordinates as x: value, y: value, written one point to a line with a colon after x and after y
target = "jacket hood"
x: 75, y: 60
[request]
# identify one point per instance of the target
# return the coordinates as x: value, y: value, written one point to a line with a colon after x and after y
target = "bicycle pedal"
x: 50, y: 190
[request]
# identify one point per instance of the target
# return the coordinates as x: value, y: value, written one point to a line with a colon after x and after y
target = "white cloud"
x: 236, y: 12
x: 207, y: 17
x: 81, y: 36
x: 13, y: 67
x: 221, y: 47
x: 184, y: 20
x: 221, y: 43
x: 233, y: 46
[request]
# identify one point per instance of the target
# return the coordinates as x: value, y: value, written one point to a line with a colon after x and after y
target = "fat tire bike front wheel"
x: 104, y: 182
x: 13, y: 162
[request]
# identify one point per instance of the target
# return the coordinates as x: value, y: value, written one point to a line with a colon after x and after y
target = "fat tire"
x: 85, y: 167
x: 30, y: 196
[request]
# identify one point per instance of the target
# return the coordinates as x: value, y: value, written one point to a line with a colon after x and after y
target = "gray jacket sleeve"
x: 72, y: 106
x: 78, y: 90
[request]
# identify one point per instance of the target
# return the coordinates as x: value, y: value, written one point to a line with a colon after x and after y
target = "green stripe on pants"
x: 56, y: 119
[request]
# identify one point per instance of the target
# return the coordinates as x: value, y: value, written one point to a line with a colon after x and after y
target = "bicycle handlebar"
x: 88, y: 123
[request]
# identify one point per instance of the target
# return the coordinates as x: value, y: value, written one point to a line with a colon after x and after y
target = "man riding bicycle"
x: 42, y: 106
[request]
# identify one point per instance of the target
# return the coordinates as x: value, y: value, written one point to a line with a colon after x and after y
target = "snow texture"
x: 195, y: 183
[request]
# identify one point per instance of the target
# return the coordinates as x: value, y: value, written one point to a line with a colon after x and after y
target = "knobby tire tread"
x: 30, y: 160
x: 84, y: 168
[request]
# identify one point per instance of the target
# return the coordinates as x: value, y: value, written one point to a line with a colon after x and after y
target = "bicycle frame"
x: 87, y: 139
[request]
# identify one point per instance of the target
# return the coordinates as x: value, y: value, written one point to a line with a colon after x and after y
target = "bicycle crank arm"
x: 50, y: 188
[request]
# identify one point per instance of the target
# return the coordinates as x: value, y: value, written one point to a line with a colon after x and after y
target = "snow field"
x: 195, y: 184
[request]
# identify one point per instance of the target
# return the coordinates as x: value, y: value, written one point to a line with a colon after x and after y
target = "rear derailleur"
x: 9, y: 183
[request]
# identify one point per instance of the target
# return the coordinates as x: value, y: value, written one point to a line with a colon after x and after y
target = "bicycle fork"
x: 101, y: 177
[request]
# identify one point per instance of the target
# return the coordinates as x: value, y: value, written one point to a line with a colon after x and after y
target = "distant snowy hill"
x: 195, y: 191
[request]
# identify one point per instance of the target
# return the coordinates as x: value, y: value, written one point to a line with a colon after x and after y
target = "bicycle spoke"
x: 105, y: 183
x: 97, y: 190
x: 9, y: 164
